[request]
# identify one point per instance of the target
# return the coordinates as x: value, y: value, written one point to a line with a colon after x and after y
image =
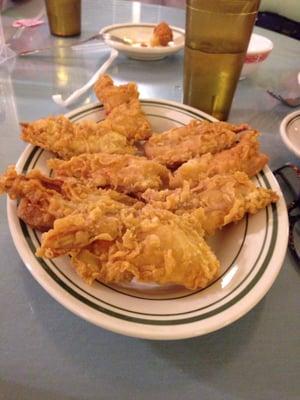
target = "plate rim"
x: 139, y: 330
x: 283, y: 131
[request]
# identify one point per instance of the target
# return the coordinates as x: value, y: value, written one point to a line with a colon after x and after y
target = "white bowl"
x: 290, y: 132
x: 259, y: 49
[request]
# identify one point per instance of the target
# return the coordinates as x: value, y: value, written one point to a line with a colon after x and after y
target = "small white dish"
x: 142, y: 33
x: 290, y: 132
x: 258, y: 50
x: 251, y: 253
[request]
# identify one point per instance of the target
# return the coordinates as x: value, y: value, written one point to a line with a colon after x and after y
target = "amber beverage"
x: 64, y: 17
x: 217, y: 37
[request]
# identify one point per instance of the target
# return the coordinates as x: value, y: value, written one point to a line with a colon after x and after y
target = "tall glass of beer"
x: 217, y: 37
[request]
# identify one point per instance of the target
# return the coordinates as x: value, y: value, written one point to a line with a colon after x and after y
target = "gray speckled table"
x: 48, y: 353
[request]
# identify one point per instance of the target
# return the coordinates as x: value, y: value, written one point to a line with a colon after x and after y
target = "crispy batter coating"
x: 244, y: 156
x: 129, y: 120
x: 44, y: 199
x: 216, y: 201
x: 115, y: 238
x: 99, y: 222
x: 178, y: 145
x: 126, y: 173
x: 41, y: 198
x: 113, y: 96
x: 62, y: 137
x: 149, y: 245
x: 162, y: 35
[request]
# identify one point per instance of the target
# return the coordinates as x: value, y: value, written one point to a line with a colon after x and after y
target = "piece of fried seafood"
x: 129, y: 120
x: 178, y: 145
x: 244, y: 156
x: 112, y: 96
x: 162, y: 35
x: 44, y: 199
x: 126, y: 173
x: 147, y: 244
x: 215, y: 202
x: 123, y: 108
x: 66, y: 139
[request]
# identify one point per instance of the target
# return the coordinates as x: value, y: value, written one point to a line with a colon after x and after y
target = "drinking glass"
x: 64, y: 17
x: 217, y: 37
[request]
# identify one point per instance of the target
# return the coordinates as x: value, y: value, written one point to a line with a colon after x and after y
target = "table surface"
x: 48, y: 353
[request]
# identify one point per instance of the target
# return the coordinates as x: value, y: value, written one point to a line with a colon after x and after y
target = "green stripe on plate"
x: 29, y: 159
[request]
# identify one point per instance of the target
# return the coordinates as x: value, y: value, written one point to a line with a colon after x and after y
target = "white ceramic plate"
x: 143, y: 33
x: 251, y: 253
x: 290, y: 132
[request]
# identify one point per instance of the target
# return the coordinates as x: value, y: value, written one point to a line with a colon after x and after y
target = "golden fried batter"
x: 41, y: 199
x: 44, y: 199
x: 178, y: 145
x: 99, y: 222
x: 115, y: 238
x: 162, y: 35
x: 244, y: 156
x: 126, y: 173
x: 62, y: 137
x: 113, y: 96
x: 129, y: 120
x: 149, y: 245
x: 218, y: 200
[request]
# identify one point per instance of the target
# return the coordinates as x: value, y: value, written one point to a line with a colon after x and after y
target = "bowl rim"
x: 283, y: 131
x: 268, y: 49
